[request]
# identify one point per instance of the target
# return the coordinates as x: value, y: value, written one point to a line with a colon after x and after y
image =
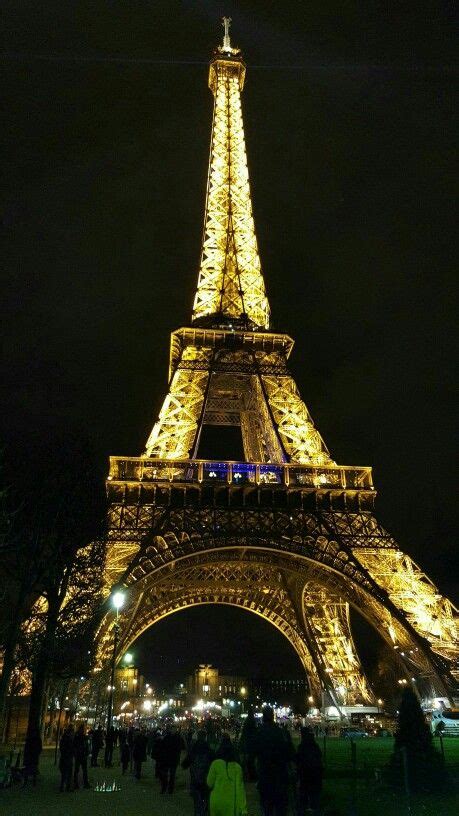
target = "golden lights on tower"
x: 229, y: 368
x: 230, y: 283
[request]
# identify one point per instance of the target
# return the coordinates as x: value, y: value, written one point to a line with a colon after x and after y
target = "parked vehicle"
x: 353, y: 733
x: 445, y: 722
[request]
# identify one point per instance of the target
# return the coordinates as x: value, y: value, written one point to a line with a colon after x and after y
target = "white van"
x: 446, y: 722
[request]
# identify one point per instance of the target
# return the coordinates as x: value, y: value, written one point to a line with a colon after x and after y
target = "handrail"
x: 323, y: 477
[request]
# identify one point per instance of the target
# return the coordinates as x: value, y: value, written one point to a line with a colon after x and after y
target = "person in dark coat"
x: 109, y: 744
x: 273, y: 755
x: 32, y: 750
x: 155, y: 752
x: 309, y: 774
x: 169, y: 752
x: 125, y: 756
x: 80, y: 752
x: 198, y: 760
x: 66, y: 758
x: 247, y: 743
x: 97, y: 743
x: 189, y: 734
x: 139, y: 752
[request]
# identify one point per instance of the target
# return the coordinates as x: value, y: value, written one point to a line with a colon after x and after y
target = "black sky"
x: 347, y: 111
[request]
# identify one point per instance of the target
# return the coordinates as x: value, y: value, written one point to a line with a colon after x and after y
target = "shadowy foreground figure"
x: 97, y: 743
x: 32, y: 750
x: 309, y: 774
x: 66, y: 758
x: 198, y: 760
x: 168, y: 757
x: 80, y: 753
x: 247, y: 746
x: 414, y: 751
x: 273, y: 753
x: 139, y: 752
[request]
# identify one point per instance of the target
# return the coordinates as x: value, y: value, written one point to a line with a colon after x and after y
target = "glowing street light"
x: 118, y: 598
x: 128, y: 658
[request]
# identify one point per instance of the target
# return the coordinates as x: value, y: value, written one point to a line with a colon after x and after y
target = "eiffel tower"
x: 286, y: 533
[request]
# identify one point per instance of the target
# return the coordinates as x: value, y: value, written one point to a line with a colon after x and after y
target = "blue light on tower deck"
x: 244, y: 473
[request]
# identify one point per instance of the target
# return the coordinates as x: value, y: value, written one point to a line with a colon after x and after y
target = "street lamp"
x: 128, y: 658
x: 243, y: 691
x: 117, y: 600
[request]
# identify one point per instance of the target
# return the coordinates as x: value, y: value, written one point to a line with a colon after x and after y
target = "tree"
x: 60, y: 632
x: 56, y: 507
x: 414, y: 746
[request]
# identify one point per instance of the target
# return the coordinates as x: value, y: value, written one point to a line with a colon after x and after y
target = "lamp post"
x: 117, y: 600
x: 243, y: 691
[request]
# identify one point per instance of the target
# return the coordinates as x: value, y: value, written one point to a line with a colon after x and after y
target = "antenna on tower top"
x: 226, y: 22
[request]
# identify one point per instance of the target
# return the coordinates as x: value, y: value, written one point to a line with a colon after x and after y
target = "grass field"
x: 363, y: 796
x: 375, y: 752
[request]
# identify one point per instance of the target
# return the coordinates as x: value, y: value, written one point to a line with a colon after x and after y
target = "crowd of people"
x: 219, y: 765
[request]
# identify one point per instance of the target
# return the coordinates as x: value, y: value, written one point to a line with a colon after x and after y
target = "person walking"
x: 139, y: 752
x: 273, y: 754
x: 309, y: 774
x: 66, y: 758
x: 80, y: 753
x: 32, y: 750
x: 247, y: 743
x: 155, y: 752
x: 198, y: 760
x: 109, y: 744
x: 169, y: 751
x: 226, y: 783
x: 125, y: 754
x: 97, y: 742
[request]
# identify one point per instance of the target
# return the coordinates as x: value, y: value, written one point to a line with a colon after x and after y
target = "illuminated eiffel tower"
x: 286, y: 533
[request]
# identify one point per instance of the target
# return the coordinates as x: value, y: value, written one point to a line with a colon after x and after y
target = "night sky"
x: 347, y: 113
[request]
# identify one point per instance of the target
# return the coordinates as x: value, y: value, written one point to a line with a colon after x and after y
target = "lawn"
x: 360, y: 797
x: 374, y: 752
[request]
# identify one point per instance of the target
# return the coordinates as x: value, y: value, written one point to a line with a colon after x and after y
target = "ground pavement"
x: 362, y: 798
x: 136, y: 798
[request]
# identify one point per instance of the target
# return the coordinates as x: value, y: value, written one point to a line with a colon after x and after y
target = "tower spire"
x: 226, y: 22
x: 230, y: 287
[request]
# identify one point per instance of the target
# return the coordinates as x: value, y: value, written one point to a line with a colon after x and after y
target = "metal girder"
x: 171, y: 536
x: 432, y: 615
x: 261, y: 589
x: 301, y: 440
x: 174, y: 433
x: 230, y: 281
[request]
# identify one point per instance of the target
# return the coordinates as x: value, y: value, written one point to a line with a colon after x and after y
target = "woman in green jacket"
x: 227, y: 797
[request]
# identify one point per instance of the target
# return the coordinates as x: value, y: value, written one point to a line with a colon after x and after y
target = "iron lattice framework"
x: 286, y: 534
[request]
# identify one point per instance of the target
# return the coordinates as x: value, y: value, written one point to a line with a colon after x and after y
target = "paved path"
x: 134, y: 799
x: 143, y: 798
